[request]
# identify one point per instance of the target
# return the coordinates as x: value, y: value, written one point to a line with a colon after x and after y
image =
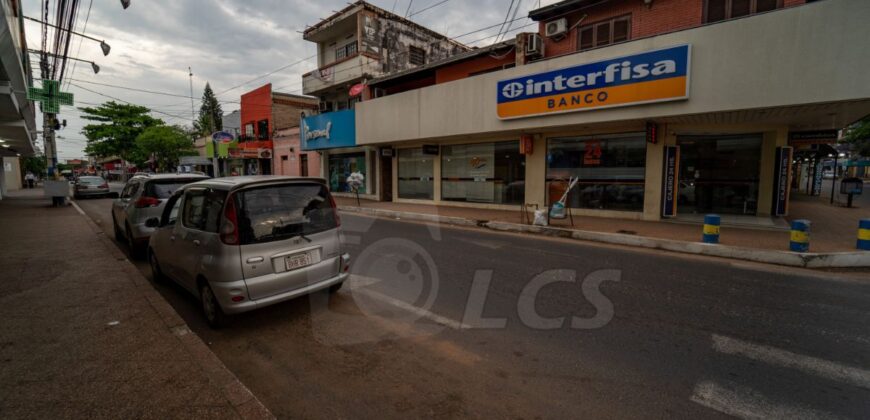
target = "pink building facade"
x: 289, y: 159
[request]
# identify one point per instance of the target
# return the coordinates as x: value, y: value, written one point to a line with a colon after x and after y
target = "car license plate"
x: 298, y: 261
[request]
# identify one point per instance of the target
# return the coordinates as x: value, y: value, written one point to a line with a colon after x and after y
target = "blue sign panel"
x: 781, y: 177
x: 329, y: 131
x: 653, y: 76
x: 671, y: 179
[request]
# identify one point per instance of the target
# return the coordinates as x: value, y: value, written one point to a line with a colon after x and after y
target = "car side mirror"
x: 152, y: 222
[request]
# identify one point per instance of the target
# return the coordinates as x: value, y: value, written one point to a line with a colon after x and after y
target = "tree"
x: 166, y: 144
x: 210, y: 113
x: 35, y: 164
x: 858, y: 135
x: 118, y: 126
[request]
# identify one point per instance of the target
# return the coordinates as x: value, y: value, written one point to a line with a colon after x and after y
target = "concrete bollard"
x: 711, y: 229
x: 864, y: 234
x: 800, y: 236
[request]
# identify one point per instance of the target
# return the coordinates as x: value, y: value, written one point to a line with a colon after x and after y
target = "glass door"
x: 719, y: 174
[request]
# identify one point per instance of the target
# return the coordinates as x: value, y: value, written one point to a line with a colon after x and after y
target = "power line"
x: 506, y: 17
x: 81, y: 40
x: 429, y: 7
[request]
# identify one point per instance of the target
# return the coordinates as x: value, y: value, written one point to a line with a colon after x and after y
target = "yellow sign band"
x: 800, y: 236
x: 711, y: 229
x: 864, y: 234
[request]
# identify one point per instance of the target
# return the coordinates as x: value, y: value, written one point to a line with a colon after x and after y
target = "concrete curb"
x: 243, y: 401
x: 855, y: 259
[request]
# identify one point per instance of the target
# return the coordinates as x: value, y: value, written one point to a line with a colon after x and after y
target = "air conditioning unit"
x: 556, y: 27
x: 534, y: 46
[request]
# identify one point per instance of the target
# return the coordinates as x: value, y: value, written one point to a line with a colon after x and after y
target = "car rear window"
x: 91, y: 181
x: 164, y: 188
x: 277, y: 212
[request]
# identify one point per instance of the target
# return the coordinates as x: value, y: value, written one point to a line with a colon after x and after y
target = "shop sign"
x: 526, y: 144
x: 671, y: 179
x: 781, y: 175
x: 430, y: 149
x: 651, y: 132
x: 329, y: 130
x: 387, y: 151
x: 653, y: 76
x: 817, y: 179
x: 814, y: 136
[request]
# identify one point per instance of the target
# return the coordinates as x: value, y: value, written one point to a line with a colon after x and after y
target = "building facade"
x: 17, y: 114
x: 356, y: 44
x: 678, y: 108
x: 263, y: 113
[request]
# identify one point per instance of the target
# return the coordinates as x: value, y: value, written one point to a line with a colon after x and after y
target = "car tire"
x: 135, y: 249
x: 335, y: 288
x: 156, y: 273
x: 211, y: 309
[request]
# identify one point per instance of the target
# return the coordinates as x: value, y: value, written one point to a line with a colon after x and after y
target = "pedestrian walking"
x: 30, y: 178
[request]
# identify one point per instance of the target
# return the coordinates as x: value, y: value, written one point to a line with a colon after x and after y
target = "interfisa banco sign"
x: 652, y: 76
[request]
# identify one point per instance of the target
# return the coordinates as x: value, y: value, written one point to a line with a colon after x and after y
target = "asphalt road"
x: 449, y: 322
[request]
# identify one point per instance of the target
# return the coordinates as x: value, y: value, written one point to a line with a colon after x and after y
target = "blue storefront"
x: 333, y: 134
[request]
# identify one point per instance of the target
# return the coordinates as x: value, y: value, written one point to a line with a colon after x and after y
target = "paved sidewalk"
x: 834, y: 228
x: 84, y: 335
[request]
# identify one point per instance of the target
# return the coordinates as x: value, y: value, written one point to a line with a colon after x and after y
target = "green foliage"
x: 858, y: 135
x: 210, y: 113
x: 35, y: 164
x: 115, y: 129
x: 166, y: 144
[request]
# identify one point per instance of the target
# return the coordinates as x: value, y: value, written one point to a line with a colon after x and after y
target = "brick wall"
x: 466, y: 68
x: 664, y: 16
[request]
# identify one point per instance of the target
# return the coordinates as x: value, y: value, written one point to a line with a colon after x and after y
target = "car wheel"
x: 131, y: 243
x: 156, y: 274
x: 214, y: 315
x: 119, y: 236
x: 335, y: 288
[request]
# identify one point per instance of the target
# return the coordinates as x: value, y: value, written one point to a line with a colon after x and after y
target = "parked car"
x: 242, y: 243
x: 143, y: 197
x: 91, y: 186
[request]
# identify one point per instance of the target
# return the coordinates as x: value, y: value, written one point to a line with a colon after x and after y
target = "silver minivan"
x: 241, y: 243
x: 142, y: 198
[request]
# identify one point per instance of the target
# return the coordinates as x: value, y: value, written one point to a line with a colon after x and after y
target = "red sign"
x: 357, y: 89
x: 592, y: 157
x: 526, y: 144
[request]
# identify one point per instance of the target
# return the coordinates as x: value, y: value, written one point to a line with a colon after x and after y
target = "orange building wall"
x: 256, y: 105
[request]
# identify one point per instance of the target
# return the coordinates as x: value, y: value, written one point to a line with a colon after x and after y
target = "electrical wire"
x: 81, y: 40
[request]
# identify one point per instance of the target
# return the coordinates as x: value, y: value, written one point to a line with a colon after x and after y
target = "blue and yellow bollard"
x: 800, y: 236
x: 864, y: 234
x: 711, y: 229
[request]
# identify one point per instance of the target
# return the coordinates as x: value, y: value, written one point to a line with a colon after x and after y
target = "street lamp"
x: 93, y: 65
x: 125, y: 3
x: 103, y: 45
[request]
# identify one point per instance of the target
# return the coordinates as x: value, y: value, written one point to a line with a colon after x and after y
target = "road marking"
x: 359, y: 286
x: 831, y: 370
x: 745, y: 403
x: 78, y: 209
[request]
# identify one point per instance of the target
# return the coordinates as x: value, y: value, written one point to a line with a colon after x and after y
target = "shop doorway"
x: 387, y: 177
x: 303, y: 164
x: 719, y: 174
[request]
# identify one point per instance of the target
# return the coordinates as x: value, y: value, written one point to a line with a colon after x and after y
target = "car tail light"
x: 230, y: 225
x: 334, y: 211
x: 145, y: 201
x: 105, y: 186
x: 237, y: 298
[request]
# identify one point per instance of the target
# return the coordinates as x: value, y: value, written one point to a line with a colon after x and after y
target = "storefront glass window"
x: 483, y: 173
x: 719, y: 174
x: 416, y: 172
x: 610, y: 167
x: 341, y: 166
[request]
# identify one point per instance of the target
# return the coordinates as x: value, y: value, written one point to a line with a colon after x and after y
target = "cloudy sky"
x: 228, y: 43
